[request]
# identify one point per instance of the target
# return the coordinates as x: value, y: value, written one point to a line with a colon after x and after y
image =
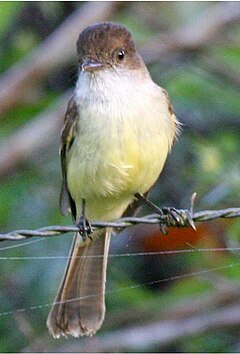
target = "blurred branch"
x: 162, y: 333
x: 56, y: 50
x: 186, y: 312
x: 222, y: 294
x: 59, y: 47
x: 197, y: 34
x: 225, y: 72
x: 35, y: 135
x: 181, y: 218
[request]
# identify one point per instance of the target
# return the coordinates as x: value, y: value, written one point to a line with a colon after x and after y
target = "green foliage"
x: 217, y: 341
x: 230, y: 56
x: 196, y: 86
x: 8, y: 11
x: 205, y: 159
x: 21, y: 114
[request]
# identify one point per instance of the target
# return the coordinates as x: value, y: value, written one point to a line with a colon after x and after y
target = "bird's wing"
x: 67, y: 138
x: 176, y: 124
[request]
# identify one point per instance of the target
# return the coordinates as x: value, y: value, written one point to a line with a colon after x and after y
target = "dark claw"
x: 163, y: 229
x: 85, y: 228
x: 171, y: 216
x: 174, y: 214
x: 178, y: 217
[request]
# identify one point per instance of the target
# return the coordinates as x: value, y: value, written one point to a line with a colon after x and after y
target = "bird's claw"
x: 171, y: 216
x: 178, y: 218
x: 85, y: 228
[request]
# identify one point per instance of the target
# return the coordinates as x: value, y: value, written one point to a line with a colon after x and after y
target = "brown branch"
x: 159, y: 334
x: 223, y: 71
x: 165, y: 332
x: 59, y: 47
x: 222, y: 294
x: 35, y: 135
x: 191, y: 309
x: 196, y: 34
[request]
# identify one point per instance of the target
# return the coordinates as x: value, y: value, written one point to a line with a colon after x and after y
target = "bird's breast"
x: 120, y: 149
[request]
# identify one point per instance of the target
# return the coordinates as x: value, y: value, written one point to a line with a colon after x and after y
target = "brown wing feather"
x: 176, y: 124
x: 67, y: 139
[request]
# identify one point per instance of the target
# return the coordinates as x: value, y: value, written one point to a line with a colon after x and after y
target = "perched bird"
x: 119, y: 128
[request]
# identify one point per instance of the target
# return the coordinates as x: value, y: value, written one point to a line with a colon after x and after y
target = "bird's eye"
x: 120, y: 55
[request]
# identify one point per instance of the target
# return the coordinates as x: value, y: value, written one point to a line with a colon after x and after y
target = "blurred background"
x: 175, y: 293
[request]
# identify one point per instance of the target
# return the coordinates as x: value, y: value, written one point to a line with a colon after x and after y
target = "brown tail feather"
x: 79, y: 307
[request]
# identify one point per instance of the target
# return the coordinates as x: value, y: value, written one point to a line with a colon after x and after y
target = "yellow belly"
x: 124, y: 134
x: 107, y: 171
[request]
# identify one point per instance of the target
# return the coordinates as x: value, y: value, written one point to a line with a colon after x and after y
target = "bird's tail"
x: 79, y: 307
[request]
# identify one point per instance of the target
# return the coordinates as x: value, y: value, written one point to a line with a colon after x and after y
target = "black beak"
x: 91, y: 65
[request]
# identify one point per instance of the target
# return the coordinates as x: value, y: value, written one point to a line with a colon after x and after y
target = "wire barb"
x: 182, y: 218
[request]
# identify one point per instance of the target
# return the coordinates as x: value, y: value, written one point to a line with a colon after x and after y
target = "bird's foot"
x: 85, y: 228
x: 170, y: 216
x: 175, y: 217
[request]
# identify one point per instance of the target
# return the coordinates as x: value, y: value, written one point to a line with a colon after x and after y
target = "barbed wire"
x: 170, y: 217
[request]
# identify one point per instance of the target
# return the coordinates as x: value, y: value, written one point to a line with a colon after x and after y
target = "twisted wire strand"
x: 172, y: 218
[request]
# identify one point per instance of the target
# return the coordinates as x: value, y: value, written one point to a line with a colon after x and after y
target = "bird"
x: 118, y: 131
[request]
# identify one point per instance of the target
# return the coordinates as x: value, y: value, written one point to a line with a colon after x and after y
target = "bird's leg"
x: 84, y: 226
x: 172, y: 215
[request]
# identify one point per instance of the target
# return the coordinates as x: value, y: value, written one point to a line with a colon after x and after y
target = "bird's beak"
x: 91, y: 65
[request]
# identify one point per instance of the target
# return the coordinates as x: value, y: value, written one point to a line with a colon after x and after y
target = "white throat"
x: 110, y: 86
